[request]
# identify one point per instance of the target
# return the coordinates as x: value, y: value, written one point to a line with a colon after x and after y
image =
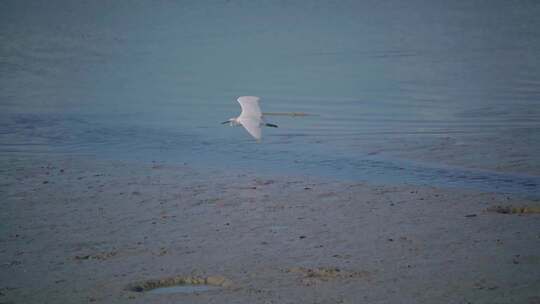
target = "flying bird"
x: 251, y: 117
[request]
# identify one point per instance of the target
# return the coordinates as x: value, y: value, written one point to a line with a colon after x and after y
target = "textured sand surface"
x: 76, y: 230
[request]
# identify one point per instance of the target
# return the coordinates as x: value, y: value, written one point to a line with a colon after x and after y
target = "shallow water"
x: 424, y: 92
x: 182, y: 289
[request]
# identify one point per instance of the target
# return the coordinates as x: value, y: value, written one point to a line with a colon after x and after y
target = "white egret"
x: 251, y: 117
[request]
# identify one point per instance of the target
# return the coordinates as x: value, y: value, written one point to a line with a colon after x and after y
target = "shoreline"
x: 81, y: 230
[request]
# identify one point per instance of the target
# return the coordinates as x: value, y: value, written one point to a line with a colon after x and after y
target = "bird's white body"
x: 251, y: 117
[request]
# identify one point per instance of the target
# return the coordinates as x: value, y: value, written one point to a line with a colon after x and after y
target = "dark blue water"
x: 429, y: 92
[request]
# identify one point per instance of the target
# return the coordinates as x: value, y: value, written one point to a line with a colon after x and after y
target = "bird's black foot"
x: 271, y: 125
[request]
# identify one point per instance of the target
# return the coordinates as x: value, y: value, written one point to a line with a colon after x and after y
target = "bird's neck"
x: 235, y: 122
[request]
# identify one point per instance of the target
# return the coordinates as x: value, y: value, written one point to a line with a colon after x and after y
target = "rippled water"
x: 417, y: 91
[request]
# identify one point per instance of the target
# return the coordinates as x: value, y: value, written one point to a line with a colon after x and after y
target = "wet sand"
x: 77, y: 230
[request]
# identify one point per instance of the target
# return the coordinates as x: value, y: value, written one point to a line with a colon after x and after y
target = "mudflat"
x: 77, y: 230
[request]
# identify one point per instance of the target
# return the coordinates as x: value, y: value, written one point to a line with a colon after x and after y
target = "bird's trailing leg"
x: 271, y: 125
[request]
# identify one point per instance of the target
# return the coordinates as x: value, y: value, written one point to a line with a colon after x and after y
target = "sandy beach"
x: 78, y: 230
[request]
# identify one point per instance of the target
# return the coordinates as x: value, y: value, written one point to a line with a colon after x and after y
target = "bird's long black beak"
x: 225, y: 122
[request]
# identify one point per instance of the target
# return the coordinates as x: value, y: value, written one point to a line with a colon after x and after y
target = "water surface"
x: 424, y: 92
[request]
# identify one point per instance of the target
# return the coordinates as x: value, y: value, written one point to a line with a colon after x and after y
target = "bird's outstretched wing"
x: 253, y: 126
x: 250, y: 106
